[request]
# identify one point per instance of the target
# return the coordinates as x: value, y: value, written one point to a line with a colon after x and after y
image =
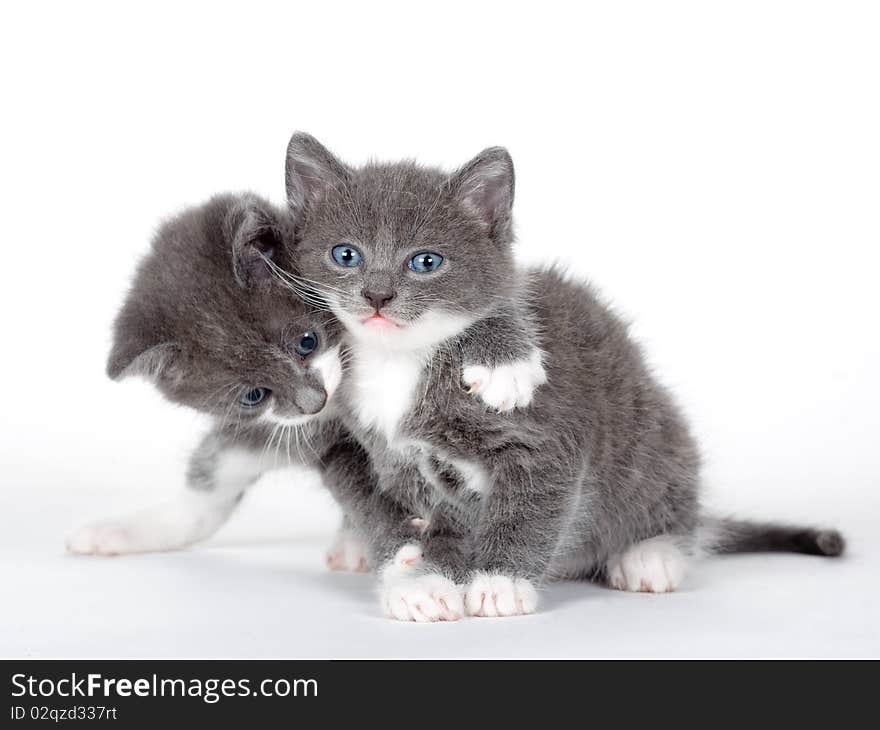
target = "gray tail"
x: 724, y: 536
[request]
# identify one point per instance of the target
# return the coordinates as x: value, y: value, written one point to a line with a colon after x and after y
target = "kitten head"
x: 406, y: 256
x: 211, y: 324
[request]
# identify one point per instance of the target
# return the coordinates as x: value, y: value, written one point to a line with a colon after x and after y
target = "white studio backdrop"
x: 712, y: 167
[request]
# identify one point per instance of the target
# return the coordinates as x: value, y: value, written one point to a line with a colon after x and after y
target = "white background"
x: 713, y: 167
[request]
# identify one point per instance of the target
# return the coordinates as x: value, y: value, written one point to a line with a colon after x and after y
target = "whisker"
x: 268, y: 443
x: 316, y: 286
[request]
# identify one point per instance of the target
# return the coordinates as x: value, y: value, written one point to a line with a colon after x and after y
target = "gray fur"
x: 214, y: 310
x: 206, y: 320
x: 602, y: 459
x: 738, y: 536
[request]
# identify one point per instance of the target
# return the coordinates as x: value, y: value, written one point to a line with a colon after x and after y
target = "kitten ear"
x: 257, y: 239
x: 140, y: 346
x: 153, y: 362
x: 484, y: 186
x: 311, y: 171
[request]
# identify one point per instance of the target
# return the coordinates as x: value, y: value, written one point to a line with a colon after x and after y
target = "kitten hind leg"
x: 349, y: 551
x: 216, y: 480
x: 656, y: 565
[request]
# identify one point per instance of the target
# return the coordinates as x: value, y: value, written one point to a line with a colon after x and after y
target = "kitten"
x: 597, y: 478
x: 207, y: 322
x: 211, y: 320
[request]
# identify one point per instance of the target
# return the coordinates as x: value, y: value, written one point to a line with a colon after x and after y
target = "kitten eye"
x: 254, y: 397
x: 347, y: 255
x: 425, y: 262
x: 307, y: 344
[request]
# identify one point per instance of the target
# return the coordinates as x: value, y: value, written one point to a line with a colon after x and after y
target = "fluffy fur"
x: 597, y: 477
x: 215, y: 311
x: 207, y: 320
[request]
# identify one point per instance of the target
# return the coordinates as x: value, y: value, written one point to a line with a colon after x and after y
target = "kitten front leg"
x: 430, y: 586
x: 498, y: 594
x: 350, y: 552
x: 416, y: 577
x: 502, y: 360
x: 524, y: 517
x: 415, y: 586
x: 217, y: 477
x: 432, y: 589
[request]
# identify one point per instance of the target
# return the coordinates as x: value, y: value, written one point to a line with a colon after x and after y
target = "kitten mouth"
x: 378, y: 322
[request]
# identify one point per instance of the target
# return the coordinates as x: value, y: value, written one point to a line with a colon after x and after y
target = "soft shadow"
x: 358, y: 587
x: 560, y: 593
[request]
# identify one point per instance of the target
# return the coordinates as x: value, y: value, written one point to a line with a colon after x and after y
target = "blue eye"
x: 425, y: 262
x: 254, y: 397
x: 307, y: 344
x: 346, y: 255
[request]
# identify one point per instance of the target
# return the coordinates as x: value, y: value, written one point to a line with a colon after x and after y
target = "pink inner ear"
x: 487, y: 198
x: 310, y: 181
x: 487, y: 193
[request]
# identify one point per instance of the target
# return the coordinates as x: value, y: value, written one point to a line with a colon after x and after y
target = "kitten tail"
x: 724, y: 536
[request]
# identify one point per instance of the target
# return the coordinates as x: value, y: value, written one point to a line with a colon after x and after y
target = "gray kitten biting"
x: 207, y: 322
x: 598, y: 477
x: 210, y: 319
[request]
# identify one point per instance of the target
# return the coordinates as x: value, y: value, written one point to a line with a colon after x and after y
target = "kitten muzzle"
x: 380, y: 323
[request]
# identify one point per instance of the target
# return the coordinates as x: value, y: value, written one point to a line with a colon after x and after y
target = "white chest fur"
x: 383, y: 387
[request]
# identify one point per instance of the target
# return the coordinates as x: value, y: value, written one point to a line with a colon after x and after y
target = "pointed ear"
x: 152, y: 363
x: 311, y: 171
x: 256, y: 232
x: 140, y: 346
x: 484, y: 186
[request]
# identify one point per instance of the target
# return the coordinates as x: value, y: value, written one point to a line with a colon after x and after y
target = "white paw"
x: 651, y: 566
x: 192, y: 517
x: 102, y: 538
x: 405, y: 560
x: 348, y: 553
x: 500, y: 595
x: 423, y: 598
x: 507, y: 386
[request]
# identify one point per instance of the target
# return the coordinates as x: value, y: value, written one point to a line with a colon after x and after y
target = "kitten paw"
x: 348, y: 553
x: 404, y: 560
x: 656, y: 565
x: 102, y: 538
x: 423, y: 598
x: 172, y: 526
x: 507, y: 386
x: 500, y: 595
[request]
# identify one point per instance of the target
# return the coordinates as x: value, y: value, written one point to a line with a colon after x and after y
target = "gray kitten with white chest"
x: 597, y: 477
x: 211, y: 321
